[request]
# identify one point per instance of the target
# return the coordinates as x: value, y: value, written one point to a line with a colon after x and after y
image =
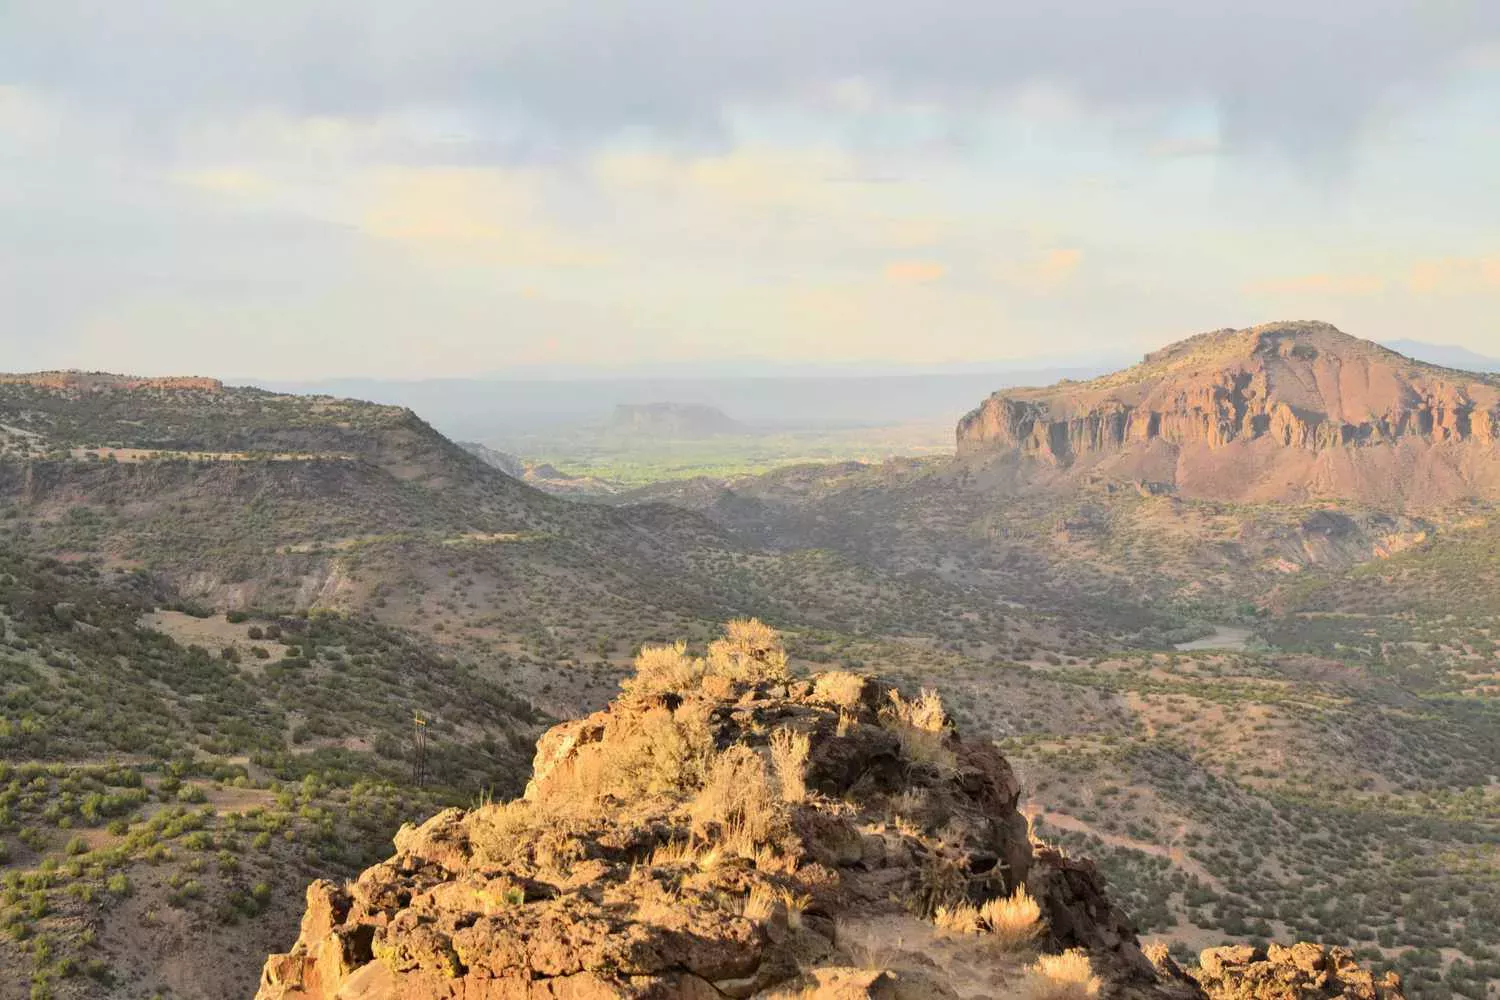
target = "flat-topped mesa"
x: 1295, y: 385
x: 81, y: 382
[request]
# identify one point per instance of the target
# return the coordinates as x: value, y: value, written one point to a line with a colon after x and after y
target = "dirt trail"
x: 1172, y: 853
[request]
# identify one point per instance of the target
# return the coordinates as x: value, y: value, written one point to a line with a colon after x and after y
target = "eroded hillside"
x: 1288, y: 411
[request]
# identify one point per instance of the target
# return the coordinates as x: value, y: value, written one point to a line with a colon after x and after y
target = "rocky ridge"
x: 1272, y: 407
x: 724, y: 829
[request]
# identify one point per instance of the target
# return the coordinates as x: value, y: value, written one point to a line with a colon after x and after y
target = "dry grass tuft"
x: 1068, y: 976
x: 962, y: 918
x: 1012, y: 924
x: 738, y: 801
x: 660, y: 669
x: 922, y: 727
x: 1015, y: 922
x: 839, y: 688
x: 925, y: 712
x: 789, y: 752
x: 750, y: 651
x: 501, y: 833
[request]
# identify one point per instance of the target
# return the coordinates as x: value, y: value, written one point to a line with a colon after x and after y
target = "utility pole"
x: 419, y: 744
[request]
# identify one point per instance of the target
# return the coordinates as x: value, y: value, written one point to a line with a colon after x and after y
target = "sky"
x: 302, y: 189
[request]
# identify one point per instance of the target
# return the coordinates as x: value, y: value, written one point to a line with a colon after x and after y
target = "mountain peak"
x: 1273, y: 396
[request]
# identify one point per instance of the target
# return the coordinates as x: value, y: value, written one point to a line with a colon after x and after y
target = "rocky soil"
x: 726, y: 830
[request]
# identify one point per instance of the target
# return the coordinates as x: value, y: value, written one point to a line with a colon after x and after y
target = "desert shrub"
x: 922, y: 727
x: 749, y: 651
x: 1068, y: 976
x: 961, y: 918
x: 661, y: 669
x: 737, y: 803
x: 839, y: 688
x: 500, y: 833
x: 670, y: 753
x: 789, y: 752
x: 1014, y: 921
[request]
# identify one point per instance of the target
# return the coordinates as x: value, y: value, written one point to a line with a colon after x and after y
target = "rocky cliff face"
x: 1302, y: 388
x: 94, y: 382
x: 724, y: 830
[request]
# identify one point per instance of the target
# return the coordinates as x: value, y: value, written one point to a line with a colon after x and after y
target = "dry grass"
x: 766, y: 901
x: 846, y: 725
x: 750, y: 651
x: 922, y: 726
x: 839, y: 688
x: 962, y: 918
x: 738, y: 805
x: 1015, y: 922
x: 761, y: 904
x: 789, y: 752
x: 1068, y: 976
x: 1010, y: 923
x: 668, y: 753
x: 660, y: 669
x: 500, y: 833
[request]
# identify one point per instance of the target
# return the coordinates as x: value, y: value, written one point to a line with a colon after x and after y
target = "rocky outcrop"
x: 1297, y: 386
x: 1300, y: 972
x: 724, y: 830
x: 634, y: 867
x: 78, y: 382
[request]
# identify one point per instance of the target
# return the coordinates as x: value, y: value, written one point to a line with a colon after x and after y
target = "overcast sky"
x: 308, y: 188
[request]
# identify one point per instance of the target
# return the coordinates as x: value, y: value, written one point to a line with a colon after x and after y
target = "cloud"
x: 1058, y: 266
x: 914, y: 272
x: 531, y: 76
x: 229, y: 181
x: 1040, y: 274
x: 1455, y: 275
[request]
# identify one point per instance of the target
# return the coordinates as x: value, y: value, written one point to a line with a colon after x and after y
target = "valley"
x: 1268, y: 715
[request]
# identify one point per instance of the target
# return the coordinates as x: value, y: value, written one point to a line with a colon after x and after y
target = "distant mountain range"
x: 479, y: 408
x: 1448, y: 355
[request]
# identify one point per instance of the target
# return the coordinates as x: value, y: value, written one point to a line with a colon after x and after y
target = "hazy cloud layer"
x: 1288, y: 72
x: 382, y: 187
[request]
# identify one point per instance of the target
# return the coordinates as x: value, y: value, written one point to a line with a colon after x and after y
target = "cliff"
x: 1286, y: 410
x: 726, y: 830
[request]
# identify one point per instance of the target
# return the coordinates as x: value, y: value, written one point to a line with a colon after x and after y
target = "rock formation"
x: 1290, y: 409
x: 1301, y: 972
x: 726, y: 830
x: 669, y: 420
x: 77, y: 382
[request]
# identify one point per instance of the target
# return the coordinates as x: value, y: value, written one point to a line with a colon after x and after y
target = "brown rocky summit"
x: 1281, y: 411
x: 725, y: 829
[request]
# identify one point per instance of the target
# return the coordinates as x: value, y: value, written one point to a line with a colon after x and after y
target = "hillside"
x: 1180, y: 672
x: 725, y: 829
x: 242, y: 499
x: 1289, y: 411
x: 171, y: 778
x: 1050, y: 616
